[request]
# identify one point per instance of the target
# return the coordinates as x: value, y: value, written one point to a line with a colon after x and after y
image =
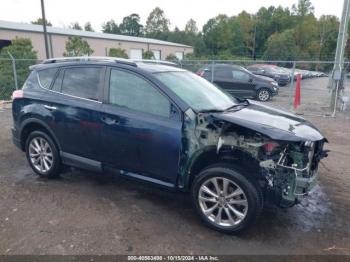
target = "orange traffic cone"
x: 297, y: 92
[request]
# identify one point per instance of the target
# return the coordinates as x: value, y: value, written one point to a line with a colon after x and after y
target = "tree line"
x: 272, y: 33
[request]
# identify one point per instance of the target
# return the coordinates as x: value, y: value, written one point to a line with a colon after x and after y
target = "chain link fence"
x: 13, y: 73
x: 315, y: 86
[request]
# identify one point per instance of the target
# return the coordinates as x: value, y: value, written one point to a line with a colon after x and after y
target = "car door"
x: 76, y: 110
x: 245, y: 84
x: 223, y: 79
x: 142, y: 128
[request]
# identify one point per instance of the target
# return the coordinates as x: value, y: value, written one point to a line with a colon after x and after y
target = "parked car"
x: 169, y: 127
x: 239, y: 82
x: 278, y: 74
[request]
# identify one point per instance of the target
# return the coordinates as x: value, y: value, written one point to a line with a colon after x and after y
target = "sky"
x: 61, y: 13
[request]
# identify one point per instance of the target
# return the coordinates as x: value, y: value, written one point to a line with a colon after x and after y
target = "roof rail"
x: 90, y: 58
x: 152, y: 61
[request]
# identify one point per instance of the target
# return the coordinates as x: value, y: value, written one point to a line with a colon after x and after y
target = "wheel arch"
x: 238, y: 159
x: 31, y: 124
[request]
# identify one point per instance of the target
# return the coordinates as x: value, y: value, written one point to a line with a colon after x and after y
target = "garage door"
x: 135, y: 53
x: 179, y: 55
x: 156, y: 54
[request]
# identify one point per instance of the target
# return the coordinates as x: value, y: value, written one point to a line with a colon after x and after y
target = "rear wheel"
x: 263, y: 94
x: 42, y: 154
x: 225, y: 200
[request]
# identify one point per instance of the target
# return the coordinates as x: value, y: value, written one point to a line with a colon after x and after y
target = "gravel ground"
x: 82, y: 214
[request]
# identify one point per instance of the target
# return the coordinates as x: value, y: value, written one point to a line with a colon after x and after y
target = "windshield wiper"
x: 243, y: 102
x: 211, y: 111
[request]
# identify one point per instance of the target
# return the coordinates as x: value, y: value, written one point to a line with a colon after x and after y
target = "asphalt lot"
x: 83, y: 214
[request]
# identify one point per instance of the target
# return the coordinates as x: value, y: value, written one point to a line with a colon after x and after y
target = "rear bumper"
x: 15, y: 138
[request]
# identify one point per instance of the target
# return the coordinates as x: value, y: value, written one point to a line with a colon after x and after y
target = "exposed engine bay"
x: 286, y: 169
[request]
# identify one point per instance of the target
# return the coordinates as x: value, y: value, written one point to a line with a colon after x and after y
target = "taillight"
x: 17, y: 94
x: 270, y: 147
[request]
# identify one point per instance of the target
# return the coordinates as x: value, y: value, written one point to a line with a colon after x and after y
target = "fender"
x: 32, y: 120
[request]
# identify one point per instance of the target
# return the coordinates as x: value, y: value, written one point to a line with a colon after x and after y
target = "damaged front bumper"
x: 288, y: 182
x: 289, y: 187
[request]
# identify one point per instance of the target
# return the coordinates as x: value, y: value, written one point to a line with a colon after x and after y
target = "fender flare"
x: 40, y: 122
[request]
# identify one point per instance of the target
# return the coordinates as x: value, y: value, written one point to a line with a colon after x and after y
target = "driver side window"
x: 240, y: 76
x: 133, y: 92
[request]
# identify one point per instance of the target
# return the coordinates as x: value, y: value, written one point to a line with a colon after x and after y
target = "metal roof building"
x: 99, y: 42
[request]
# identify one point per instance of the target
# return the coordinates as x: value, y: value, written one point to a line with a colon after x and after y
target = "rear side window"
x: 46, y: 76
x: 133, y: 92
x: 222, y: 74
x: 82, y: 82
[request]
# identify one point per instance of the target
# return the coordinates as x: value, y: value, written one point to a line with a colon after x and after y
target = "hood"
x: 264, y: 78
x: 274, y: 123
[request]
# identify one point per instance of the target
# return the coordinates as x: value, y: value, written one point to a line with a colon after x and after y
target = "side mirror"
x: 250, y: 79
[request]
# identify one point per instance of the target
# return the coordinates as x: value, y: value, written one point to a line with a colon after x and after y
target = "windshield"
x: 198, y: 93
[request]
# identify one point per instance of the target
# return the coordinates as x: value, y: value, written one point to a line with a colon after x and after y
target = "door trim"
x: 80, y: 162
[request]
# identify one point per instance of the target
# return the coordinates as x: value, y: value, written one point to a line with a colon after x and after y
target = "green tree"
x: 131, y: 25
x: 21, y: 48
x: 327, y: 32
x: 247, y: 25
x: 148, y: 55
x: 110, y: 27
x: 88, y: 27
x: 157, y: 23
x: 303, y: 8
x: 224, y: 34
x: 75, y: 26
x: 191, y: 27
x: 77, y: 46
x: 118, y: 52
x: 281, y: 46
x: 216, y: 34
x: 40, y: 21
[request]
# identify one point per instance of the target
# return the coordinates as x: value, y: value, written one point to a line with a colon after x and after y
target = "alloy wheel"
x: 264, y: 95
x: 40, y: 154
x: 223, y: 202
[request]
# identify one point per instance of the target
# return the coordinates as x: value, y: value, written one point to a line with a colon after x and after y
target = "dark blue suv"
x: 166, y: 126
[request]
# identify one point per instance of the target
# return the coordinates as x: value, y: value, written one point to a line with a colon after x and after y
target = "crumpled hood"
x: 274, y: 123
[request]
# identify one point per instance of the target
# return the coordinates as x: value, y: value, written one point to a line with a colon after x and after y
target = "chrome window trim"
x: 54, y: 78
x: 86, y: 99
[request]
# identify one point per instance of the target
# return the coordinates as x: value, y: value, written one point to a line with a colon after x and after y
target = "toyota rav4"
x: 166, y: 126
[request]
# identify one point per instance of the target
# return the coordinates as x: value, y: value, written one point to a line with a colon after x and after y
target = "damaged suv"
x: 166, y: 126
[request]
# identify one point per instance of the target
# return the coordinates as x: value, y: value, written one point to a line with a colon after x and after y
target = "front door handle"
x: 109, y: 121
x: 51, y: 108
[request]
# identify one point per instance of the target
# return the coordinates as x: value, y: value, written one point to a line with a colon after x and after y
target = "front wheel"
x: 225, y: 200
x: 263, y: 94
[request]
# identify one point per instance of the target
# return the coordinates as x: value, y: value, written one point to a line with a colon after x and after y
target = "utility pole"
x: 337, y: 74
x: 45, y: 31
x: 254, y: 43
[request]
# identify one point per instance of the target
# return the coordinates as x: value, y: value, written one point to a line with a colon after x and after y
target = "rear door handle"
x: 51, y: 108
x: 109, y: 121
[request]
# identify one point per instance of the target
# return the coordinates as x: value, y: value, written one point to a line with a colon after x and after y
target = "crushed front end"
x: 291, y: 170
x: 285, y: 165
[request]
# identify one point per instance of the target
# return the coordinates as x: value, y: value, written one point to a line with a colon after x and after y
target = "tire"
x: 263, y: 94
x: 42, y: 155
x: 247, y: 199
